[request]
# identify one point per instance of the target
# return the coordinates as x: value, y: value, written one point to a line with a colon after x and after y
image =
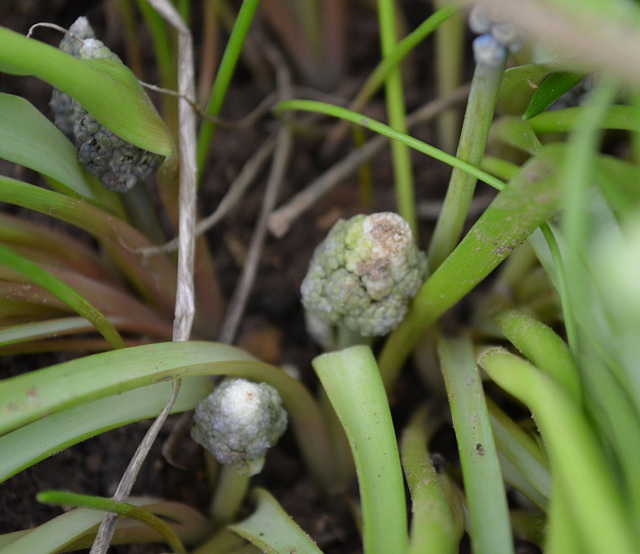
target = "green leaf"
x: 519, y: 85
x: 551, y: 89
x: 567, y: 120
x: 389, y: 132
x: 58, y: 498
x: 352, y: 382
x: 270, y: 528
x: 437, y: 522
x: 486, y: 498
x: 578, y: 464
x: 63, y: 292
x: 29, y: 139
x: 28, y: 397
x: 76, y: 529
x: 154, y: 278
x: 530, y: 198
x: 517, y: 133
x: 105, y: 88
x: 42, y: 438
x: 543, y: 347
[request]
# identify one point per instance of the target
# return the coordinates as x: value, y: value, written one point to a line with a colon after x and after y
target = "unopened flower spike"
x: 362, y: 277
x: 116, y: 162
x: 483, y: 21
x: 61, y: 104
x: 239, y: 422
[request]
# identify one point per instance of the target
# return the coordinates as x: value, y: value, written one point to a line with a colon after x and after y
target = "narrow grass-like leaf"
x: 29, y: 139
x: 62, y: 326
x: 522, y: 452
x: 58, y: 498
x: 28, y: 397
x: 551, y: 89
x: 105, y: 88
x: 223, y: 77
x: 531, y: 197
x: 396, y: 114
x: 62, y: 291
x: 578, y: 464
x: 76, y: 529
x: 42, y: 244
x: 519, y: 85
x: 271, y: 529
x: 42, y: 438
x: 561, y: 121
x: 543, y: 347
x: 484, y: 489
x: 352, y: 382
x: 435, y: 529
x: 154, y: 278
x: 381, y: 128
x: 618, y: 180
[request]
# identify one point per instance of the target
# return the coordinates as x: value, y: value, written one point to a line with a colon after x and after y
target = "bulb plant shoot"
x: 449, y: 364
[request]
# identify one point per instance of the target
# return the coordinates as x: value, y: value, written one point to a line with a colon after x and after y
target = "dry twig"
x: 185, y: 304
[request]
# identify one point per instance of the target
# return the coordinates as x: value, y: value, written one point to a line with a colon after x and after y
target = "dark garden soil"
x: 273, y: 325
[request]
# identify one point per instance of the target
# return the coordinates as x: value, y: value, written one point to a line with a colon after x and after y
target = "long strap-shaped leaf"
x: 105, y: 88
x: 530, y: 198
x: 28, y: 138
x: 154, y: 278
x: 28, y: 397
x: 271, y: 529
x: 34, y: 273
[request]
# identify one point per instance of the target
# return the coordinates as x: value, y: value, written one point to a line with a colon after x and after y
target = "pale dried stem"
x: 280, y: 220
x: 185, y: 304
x: 236, y: 191
x: 280, y: 162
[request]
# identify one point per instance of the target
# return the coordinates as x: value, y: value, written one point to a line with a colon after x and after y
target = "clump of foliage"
x: 552, y: 334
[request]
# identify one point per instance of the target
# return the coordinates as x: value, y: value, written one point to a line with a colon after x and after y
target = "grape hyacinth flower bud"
x: 239, y: 422
x: 482, y: 21
x: 362, y: 277
x: 116, y: 162
x: 61, y: 104
x: 488, y: 51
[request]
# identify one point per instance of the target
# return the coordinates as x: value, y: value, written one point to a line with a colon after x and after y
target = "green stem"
x: 352, y: 382
x: 230, y: 492
x: 473, y: 141
x: 402, y: 169
x: 223, y: 77
x: 449, y: 60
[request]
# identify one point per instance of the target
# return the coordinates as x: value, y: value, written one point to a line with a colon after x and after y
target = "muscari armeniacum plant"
x: 361, y: 279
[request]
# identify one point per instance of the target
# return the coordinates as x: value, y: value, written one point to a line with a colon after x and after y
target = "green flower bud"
x: 362, y: 276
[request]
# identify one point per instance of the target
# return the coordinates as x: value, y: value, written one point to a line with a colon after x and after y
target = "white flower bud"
x: 239, y: 422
